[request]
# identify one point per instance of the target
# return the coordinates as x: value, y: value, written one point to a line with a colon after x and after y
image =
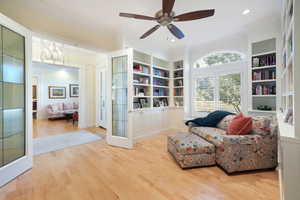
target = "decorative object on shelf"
x: 139, y: 91
x: 255, y: 62
x: 57, y: 92
x: 141, y: 103
x: 144, y: 102
x: 264, y: 108
x: 178, y: 74
x: 166, y: 17
x: 74, y: 90
x: 141, y: 79
x: 178, y: 82
x: 160, y: 102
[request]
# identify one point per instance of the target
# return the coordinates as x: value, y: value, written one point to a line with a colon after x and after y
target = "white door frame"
x: 82, y: 123
x: 19, y: 166
x: 125, y: 142
x: 101, y: 93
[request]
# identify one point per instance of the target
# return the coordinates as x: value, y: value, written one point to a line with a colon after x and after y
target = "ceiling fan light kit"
x: 166, y: 17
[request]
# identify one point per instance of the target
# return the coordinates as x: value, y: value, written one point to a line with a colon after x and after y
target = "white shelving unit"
x: 289, y: 140
x: 151, y: 81
x: 263, y: 76
x: 178, y: 83
x: 289, y: 79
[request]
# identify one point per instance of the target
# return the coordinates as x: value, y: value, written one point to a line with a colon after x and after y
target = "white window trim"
x: 221, y: 70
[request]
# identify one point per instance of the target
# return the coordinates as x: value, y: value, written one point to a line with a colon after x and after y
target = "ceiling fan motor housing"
x: 164, y: 19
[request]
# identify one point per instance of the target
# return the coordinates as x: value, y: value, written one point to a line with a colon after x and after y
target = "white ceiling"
x: 96, y: 24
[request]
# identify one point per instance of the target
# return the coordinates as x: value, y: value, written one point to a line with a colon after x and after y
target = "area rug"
x: 61, y: 141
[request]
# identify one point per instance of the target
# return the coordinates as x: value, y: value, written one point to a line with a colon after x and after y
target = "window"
x: 221, y: 92
x: 230, y: 92
x: 219, y: 58
x: 205, y: 94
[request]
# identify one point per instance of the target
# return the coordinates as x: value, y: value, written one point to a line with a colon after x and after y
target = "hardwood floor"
x: 147, y: 172
x: 42, y: 128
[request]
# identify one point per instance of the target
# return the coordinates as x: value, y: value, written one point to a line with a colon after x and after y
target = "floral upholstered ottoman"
x: 190, y: 150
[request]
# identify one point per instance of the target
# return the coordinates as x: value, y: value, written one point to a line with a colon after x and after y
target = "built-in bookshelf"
x: 289, y: 68
x: 289, y: 98
x: 178, y: 83
x: 151, y: 81
x: 142, y: 66
x: 156, y: 83
x: 264, y: 76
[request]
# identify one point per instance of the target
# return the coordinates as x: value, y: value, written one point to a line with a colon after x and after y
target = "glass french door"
x: 119, y: 128
x: 15, y: 155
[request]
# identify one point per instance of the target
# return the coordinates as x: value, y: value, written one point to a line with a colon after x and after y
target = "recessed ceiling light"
x: 246, y: 12
x: 172, y: 40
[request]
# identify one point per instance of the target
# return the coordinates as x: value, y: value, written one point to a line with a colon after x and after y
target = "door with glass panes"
x: 119, y: 118
x: 15, y: 151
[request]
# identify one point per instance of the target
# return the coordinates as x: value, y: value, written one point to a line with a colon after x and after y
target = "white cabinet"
x: 289, y: 168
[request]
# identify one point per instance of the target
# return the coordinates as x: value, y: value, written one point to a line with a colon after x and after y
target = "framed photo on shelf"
x: 143, y: 102
x: 74, y: 90
x: 57, y: 92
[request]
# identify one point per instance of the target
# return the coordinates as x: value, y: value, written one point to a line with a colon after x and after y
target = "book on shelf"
x: 265, y: 60
x: 160, y: 82
x: 264, y: 75
x: 141, y: 69
x: 178, y: 92
x: 260, y: 89
x: 160, y: 92
x: 162, y: 73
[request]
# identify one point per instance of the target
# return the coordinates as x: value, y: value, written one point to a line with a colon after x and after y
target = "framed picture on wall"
x: 57, y: 92
x: 74, y: 90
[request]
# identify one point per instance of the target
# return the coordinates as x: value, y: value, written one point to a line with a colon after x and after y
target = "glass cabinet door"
x: 12, y: 95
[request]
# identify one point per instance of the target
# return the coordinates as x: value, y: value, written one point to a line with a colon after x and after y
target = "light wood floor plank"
x: 97, y: 171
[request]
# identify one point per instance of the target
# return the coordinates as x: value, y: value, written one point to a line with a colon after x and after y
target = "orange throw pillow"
x: 240, y: 125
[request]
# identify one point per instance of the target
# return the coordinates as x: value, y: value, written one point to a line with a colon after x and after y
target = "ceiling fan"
x: 166, y: 17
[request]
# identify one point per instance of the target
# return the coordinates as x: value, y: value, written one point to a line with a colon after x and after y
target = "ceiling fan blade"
x: 195, y: 15
x: 137, y: 16
x: 150, y: 31
x: 168, y: 6
x: 175, y: 31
